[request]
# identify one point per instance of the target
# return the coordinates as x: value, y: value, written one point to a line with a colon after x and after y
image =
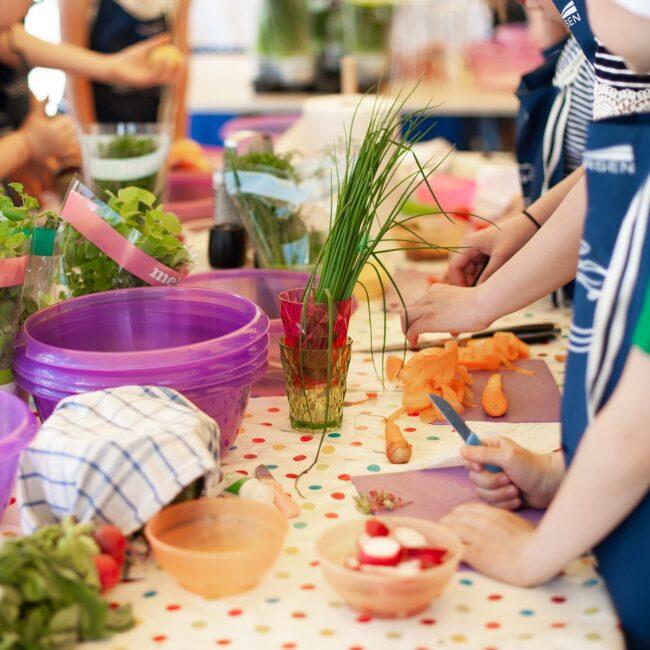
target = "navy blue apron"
x: 611, y: 280
x: 574, y: 15
x: 113, y: 30
x: 536, y: 94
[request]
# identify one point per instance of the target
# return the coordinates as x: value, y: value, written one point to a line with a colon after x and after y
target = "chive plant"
x: 369, y: 202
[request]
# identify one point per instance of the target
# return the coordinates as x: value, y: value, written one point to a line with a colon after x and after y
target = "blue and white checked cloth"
x: 118, y: 456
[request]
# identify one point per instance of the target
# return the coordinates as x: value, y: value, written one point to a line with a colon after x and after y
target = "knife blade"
x: 283, y: 502
x: 530, y: 333
x: 459, y: 424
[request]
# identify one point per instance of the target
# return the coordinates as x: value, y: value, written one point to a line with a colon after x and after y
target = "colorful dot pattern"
x: 294, y: 608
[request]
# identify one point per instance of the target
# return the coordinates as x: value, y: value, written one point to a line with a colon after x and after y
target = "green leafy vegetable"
x: 85, y: 269
x: 15, y: 229
x: 284, y: 29
x: 121, y: 147
x: 49, y: 591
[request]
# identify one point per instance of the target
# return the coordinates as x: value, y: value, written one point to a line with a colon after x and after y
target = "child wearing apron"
x: 108, y: 26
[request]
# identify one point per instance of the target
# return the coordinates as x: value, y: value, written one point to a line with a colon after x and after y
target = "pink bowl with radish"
x: 366, y: 572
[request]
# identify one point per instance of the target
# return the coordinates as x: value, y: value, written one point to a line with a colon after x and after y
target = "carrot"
x: 494, y: 399
x: 398, y: 450
x: 449, y: 394
x: 393, y: 366
x: 429, y: 415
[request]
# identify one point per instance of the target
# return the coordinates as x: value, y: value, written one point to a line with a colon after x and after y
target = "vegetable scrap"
x: 494, y: 399
x: 500, y: 350
x: 51, y: 583
x: 404, y: 551
x: 374, y: 501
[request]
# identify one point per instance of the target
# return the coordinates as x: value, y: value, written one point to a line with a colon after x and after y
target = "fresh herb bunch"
x: 366, y: 26
x: 85, y: 269
x: 50, y: 592
x: 284, y: 29
x: 15, y: 231
x: 121, y: 147
x: 278, y: 231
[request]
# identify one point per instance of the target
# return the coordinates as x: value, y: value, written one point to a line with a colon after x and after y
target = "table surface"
x: 222, y: 83
x: 293, y: 607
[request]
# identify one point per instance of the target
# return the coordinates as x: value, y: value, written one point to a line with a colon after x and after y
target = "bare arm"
x: 15, y: 152
x: 180, y: 89
x: 623, y: 32
x: 74, y: 30
x: 544, y: 264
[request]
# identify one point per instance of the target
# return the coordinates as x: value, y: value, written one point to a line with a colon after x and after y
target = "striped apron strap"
x: 558, y: 117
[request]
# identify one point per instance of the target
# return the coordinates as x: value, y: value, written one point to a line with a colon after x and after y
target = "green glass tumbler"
x: 315, y: 399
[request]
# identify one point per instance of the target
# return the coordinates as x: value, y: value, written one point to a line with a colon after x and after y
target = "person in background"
x: 556, y: 102
x: 597, y: 488
x: 27, y: 135
x: 107, y: 26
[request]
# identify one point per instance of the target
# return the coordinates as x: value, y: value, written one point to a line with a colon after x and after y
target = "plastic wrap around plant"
x: 125, y: 155
x: 15, y: 236
x: 128, y: 242
x: 272, y: 199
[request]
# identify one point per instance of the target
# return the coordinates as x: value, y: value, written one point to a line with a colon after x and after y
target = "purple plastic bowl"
x: 18, y: 427
x: 143, y: 328
x: 207, y: 344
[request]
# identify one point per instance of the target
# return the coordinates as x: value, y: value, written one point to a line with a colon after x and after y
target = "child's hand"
x: 497, y: 242
x: 444, y: 308
x: 526, y: 477
x: 496, y: 543
x: 135, y: 66
x: 48, y: 137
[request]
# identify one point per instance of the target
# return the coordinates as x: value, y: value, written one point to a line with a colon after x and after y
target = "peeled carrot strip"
x: 393, y: 366
x: 429, y: 415
x: 398, y: 450
x: 452, y: 398
x: 494, y: 399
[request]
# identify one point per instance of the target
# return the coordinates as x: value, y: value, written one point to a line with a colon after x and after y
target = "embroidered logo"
x: 617, y: 160
x: 570, y: 14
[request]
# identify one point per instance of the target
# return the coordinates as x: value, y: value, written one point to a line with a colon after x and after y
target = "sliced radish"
x: 363, y: 539
x: 428, y: 557
x: 410, y: 538
x: 380, y: 551
x: 376, y: 528
x: 406, y: 569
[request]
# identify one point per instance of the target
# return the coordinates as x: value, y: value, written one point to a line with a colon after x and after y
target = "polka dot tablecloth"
x: 293, y: 607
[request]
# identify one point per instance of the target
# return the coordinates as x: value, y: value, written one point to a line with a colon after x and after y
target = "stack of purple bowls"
x: 209, y: 345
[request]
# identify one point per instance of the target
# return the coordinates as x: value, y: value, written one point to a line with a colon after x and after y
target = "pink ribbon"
x: 12, y: 271
x: 81, y: 213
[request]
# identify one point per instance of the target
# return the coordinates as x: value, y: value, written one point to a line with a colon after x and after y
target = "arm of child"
x: 624, y: 32
x: 501, y: 241
x: 609, y: 476
x: 545, y: 263
x: 74, y: 30
x: 180, y: 87
x: 131, y: 66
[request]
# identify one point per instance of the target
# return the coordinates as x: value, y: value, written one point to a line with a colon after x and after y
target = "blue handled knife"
x: 458, y: 423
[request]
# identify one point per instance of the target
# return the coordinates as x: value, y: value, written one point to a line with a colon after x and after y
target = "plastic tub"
x: 217, y: 547
x: 190, y: 195
x: 18, y: 427
x: 386, y: 596
x: 207, y: 344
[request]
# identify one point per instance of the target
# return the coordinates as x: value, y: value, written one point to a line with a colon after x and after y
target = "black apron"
x: 113, y: 30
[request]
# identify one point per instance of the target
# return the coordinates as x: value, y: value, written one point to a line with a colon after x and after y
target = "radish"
x: 376, y: 528
x: 428, y: 557
x: 111, y: 541
x: 410, y: 538
x: 406, y: 569
x: 380, y: 551
x: 108, y: 571
x: 352, y: 563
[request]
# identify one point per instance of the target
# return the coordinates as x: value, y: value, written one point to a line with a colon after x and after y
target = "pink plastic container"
x: 18, y: 427
x: 190, y: 195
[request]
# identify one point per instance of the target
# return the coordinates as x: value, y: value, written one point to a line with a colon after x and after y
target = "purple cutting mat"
x: 412, y: 284
x: 531, y: 398
x: 433, y: 492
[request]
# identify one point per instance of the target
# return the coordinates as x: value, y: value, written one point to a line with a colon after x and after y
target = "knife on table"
x: 283, y: 502
x: 529, y: 333
x: 458, y: 423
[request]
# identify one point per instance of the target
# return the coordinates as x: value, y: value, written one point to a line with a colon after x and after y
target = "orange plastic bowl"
x: 217, y: 547
x: 381, y: 595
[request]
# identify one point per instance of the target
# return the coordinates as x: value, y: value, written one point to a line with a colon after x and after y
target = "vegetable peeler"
x: 458, y: 423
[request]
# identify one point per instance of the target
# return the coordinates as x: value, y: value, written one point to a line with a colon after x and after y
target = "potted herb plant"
x: 284, y: 47
x: 15, y: 236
